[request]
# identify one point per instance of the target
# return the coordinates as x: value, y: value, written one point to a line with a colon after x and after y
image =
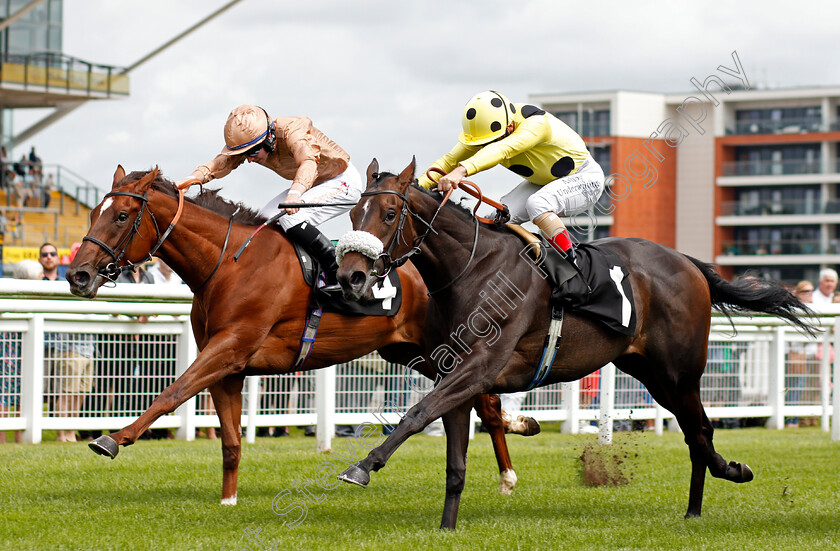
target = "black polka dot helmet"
x: 486, y: 118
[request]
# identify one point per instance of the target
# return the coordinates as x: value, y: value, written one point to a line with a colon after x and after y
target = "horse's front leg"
x: 227, y: 399
x: 221, y: 357
x: 456, y: 424
x: 461, y: 385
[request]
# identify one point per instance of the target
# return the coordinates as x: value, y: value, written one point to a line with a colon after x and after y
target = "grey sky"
x: 388, y: 79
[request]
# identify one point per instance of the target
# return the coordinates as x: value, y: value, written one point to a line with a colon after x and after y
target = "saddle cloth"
x: 603, y: 293
x: 387, y: 293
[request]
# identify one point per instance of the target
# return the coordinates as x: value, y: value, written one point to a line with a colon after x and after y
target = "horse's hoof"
x: 692, y: 515
x: 532, y: 427
x: 105, y: 445
x: 744, y: 471
x: 355, y: 475
x: 526, y: 426
x: 507, y: 480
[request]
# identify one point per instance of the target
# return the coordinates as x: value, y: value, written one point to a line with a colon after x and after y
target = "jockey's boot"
x: 322, y: 250
x: 557, y: 234
x: 563, y: 243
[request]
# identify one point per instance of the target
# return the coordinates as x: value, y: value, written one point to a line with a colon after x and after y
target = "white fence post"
x: 835, y: 421
x: 253, y: 389
x: 325, y: 407
x: 659, y: 421
x: 825, y: 377
x: 776, y: 380
x: 187, y: 352
x: 32, y: 379
x: 607, y: 398
x: 570, y: 398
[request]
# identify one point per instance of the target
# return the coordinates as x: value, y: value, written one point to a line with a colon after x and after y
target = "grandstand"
x: 35, y: 73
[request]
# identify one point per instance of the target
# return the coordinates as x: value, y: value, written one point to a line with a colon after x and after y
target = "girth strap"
x: 552, y: 344
x: 307, y: 341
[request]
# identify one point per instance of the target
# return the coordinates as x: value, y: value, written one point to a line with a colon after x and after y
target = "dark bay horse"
x: 489, y: 314
x: 247, y: 316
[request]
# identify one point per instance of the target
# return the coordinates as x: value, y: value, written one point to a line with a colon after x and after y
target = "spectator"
x: 48, y: 257
x: 589, y: 399
x: 69, y: 357
x: 798, y: 356
x: 21, y: 166
x: 722, y: 380
x: 145, y: 379
x: 9, y: 378
x: 46, y: 189
x: 162, y: 273
x: 19, y: 189
x: 35, y: 160
x: 827, y: 285
x: 10, y: 355
x: 4, y: 167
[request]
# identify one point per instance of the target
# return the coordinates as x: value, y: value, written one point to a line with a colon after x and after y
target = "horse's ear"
x: 118, y: 175
x: 407, y: 175
x: 145, y: 182
x: 372, y: 170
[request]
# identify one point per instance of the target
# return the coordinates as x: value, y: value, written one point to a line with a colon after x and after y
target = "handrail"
x: 56, y: 70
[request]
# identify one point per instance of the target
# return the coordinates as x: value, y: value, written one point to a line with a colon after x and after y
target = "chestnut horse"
x: 247, y: 316
x: 492, y: 342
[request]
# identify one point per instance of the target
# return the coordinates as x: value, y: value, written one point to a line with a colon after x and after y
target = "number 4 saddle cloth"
x: 386, y: 299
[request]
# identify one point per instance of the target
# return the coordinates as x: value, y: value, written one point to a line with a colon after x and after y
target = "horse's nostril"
x: 357, y: 279
x: 81, y: 277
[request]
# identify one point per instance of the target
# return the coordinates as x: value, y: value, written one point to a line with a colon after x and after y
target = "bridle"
x: 113, y: 269
x: 390, y: 263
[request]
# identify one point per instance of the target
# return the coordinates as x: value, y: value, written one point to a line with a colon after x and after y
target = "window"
x: 751, y: 201
x: 776, y: 240
x: 763, y: 160
x: 38, y: 31
x: 778, y: 120
x: 590, y: 123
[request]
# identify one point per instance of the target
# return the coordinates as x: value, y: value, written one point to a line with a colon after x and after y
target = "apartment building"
x: 745, y: 178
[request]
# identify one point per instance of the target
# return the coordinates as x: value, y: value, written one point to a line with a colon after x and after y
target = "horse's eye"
x: 122, y: 217
x: 390, y: 216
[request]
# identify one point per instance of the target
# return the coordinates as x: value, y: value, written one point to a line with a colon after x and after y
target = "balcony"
x: 778, y: 247
x: 772, y: 168
x: 59, y: 77
x: 781, y: 126
x: 780, y: 208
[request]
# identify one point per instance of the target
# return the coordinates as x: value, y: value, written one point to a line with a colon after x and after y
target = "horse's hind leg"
x: 489, y: 410
x: 456, y: 424
x: 227, y: 398
x: 681, y: 396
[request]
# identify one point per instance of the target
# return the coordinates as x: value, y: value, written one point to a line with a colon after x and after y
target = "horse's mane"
x: 207, y: 198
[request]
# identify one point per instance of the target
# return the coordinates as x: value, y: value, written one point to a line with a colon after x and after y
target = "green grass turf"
x: 165, y: 495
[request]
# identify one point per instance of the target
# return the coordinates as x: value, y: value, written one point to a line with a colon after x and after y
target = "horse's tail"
x: 754, y: 295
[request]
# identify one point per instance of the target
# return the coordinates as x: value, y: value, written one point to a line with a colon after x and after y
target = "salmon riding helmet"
x: 248, y: 126
x: 486, y: 118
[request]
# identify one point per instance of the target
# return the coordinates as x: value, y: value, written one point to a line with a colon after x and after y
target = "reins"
x: 276, y: 217
x: 471, y: 188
